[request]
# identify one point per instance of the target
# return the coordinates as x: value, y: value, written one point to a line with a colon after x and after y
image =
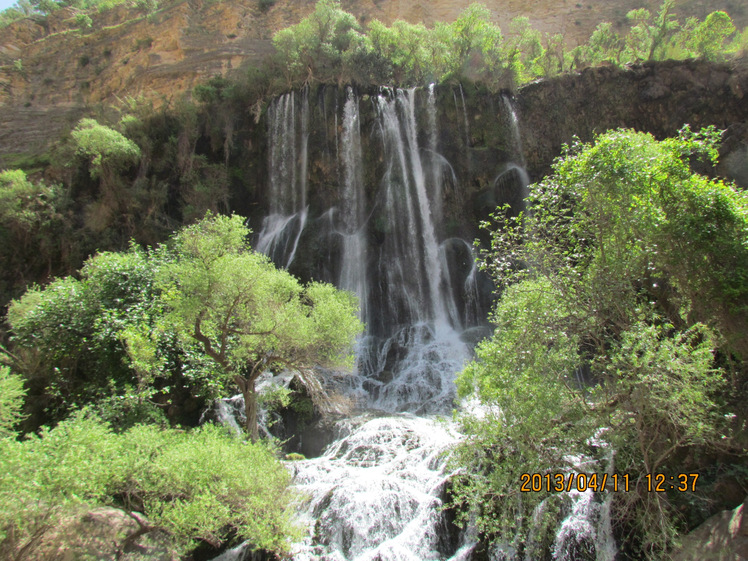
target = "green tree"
x: 708, y: 37
x: 616, y: 321
x: 604, y: 45
x: 35, y: 231
x: 648, y: 38
x: 207, y: 314
x: 106, y: 149
x: 314, y: 49
x: 82, y: 341
x: 246, y: 315
x: 523, y: 49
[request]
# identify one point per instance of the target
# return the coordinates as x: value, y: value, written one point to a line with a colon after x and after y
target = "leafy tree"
x: 552, y: 60
x: 229, y: 315
x: 106, y: 149
x: 617, y: 316
x: 246, y: 315
x: 314, y: 48
x: 34, y: 231
x: 524, y: 48
x: 72, y: 337
x: 708, y: 37
x: 83, y: 21
x: 648, y: 37
x: 604, y: 45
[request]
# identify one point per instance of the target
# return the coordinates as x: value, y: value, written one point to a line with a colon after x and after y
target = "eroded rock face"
x: 65, y: 70
x: 723, y: 537
x: 654, y: 97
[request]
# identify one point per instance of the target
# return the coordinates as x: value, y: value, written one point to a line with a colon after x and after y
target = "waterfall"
x: 511, y: 184
x: 384, y: 232
x: 287, y: 189
x: 377, y: 492
x: 353, y: 211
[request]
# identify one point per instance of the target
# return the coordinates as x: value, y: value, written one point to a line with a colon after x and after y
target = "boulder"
x: 723, y: 537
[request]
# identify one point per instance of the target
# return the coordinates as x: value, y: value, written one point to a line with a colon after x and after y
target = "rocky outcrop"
x: 723, y: 537
x: 98, y: 533
x: 50, y: 67
x: 655, y: 97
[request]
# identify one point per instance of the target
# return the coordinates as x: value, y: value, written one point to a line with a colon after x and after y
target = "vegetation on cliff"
x: 331, y: 46
x: 622, y: 318
x: 620, y: 335
x: 81, y: 8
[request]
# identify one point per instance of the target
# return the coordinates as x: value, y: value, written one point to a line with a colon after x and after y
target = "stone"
x: 723, y: 537
x: 97, y: 533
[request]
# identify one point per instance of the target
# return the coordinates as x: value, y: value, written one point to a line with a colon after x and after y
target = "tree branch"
x: 197, y: 334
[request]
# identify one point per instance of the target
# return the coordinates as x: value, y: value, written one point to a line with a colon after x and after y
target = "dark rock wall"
x: 657, y: 97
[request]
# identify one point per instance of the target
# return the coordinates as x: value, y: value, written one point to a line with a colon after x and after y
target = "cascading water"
x: 352, y: 213
x: 287, y: 191
x: 376, y: 492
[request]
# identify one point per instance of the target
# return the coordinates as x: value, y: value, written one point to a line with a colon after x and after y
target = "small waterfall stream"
x: 377, y: 491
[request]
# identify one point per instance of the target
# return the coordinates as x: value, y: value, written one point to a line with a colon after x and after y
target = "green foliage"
x: 203, y: 313
x: 197, y: 485
x: 604, y: 45
x: 246, y: 315
x: 17, y: 198
x: 11, y: 401
x: 330, y: 46
x: 33, y: 230
x: 80, y: 337
x: 14, y: 13
x: 84, y: 8
x: 83, y: 21
x: 649, y: 36
x: 315, y: 45
x: 708, y: 37
x: 104, y: 147
x: 622, y: 289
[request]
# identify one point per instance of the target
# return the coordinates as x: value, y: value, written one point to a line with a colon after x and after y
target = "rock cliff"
x: 51, y: 72
x: 654, y: 97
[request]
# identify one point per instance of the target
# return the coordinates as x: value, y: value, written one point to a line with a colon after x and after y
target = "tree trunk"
x: 250, y: 409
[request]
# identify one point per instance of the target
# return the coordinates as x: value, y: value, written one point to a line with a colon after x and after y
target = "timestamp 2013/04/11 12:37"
x: 560, y: 482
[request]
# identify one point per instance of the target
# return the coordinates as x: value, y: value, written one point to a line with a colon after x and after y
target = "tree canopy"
x: 248, y: 316
x: 331, y: 46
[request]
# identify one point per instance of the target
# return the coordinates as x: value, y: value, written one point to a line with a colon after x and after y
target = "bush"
x: 11, y: 401
x: 199, y: 485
